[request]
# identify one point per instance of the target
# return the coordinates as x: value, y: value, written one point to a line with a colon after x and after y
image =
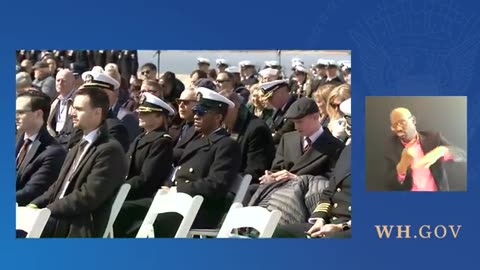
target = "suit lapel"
x: 194, y: 146
x: 133, y: 149
x: 30, y: 154
x: 295, y: 147
x: 52, y: 119
x: 202, y: 142
x: 314, y: 153
x: 343, y: 169
x: 188, y: 136
x: 425, y: 144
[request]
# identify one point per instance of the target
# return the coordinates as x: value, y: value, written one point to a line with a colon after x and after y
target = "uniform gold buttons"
x: 176, y: 183
x: 190, y: 170
x: 335, y: 205
x: 350, y: 208
x: 339, y: 189
x: 334, y: 218
x: 187, y: 181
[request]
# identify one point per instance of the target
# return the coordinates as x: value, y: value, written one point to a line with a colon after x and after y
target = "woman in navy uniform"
x: 150, y: 163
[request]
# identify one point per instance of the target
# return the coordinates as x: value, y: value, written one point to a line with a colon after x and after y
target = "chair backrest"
x: 168, y: 202
x: 255, y: 217
x: 32, y: 221
x: 116, y: 206
x: 240, y: 187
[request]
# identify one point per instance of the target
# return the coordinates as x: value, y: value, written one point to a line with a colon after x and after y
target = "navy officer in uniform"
x: 332, y: 216
x: 277, y: 94
x: 150, y: 163
x: 209, y: 164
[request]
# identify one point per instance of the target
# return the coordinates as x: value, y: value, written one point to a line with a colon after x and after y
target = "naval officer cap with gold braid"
x: 99, y: 80
x: 269, y: 88
x: 150, y: 103
x: 209, y: 100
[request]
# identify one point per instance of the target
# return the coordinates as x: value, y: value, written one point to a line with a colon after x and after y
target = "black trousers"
x: 298, y: 231
x: 133, y: 213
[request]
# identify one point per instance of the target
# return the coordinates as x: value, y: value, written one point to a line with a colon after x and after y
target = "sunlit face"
x: 85, y: 117
x: 24, y: 117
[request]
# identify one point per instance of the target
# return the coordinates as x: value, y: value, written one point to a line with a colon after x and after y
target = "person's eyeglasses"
x: 145, y: 72
x: 186, y: 102
x: 199, y: 111
x: 222, y: 81
x: 402, y: 122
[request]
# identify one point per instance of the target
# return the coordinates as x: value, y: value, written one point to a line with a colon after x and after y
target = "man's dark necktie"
x: 23, y: 152
x: 307, y: 145
x: 74, y: 165
x: 183, y: 132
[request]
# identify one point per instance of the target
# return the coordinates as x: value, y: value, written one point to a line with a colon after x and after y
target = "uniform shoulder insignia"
x: 167, y: 136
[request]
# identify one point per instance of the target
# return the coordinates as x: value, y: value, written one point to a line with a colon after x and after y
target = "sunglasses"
x: 145, y: 72
x: 186, y: 102
x: 199, y: 111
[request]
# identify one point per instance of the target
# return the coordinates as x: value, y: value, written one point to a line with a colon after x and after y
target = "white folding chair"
x: 167, y: 202
x: 255, y: 217
x: 116, y: 206
x: 32, y: 221
x: 239, y: 187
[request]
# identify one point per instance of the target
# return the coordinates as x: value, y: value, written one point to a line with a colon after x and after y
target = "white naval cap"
x: 272, y: 63
x: 202, y: 60
x: 99, y: 79
x: 233, y: 69
x: 212, y: 100
x: 245, y: 63
x: 269, y: 87
x: 346, y: 107
x: 98, y: 69
x: 268, y: 72
x: 297, y: 61
x: 300, y: 68
x: 150, y: 103
x: 330, y: 62
x: 221, y: 61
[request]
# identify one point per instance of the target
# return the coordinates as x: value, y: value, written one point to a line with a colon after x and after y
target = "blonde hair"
x: 323, y: 91
x: 343, y: 92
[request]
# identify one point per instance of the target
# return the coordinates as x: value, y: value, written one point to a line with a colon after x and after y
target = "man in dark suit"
x: 210, y: 163
x: 414, y: 159
x: 150, y: 164
x: 116, y: 129
x: 81, y: 199
x: 39, y: 156
x: 59, y: 123
x: 186, y: 102
x: 277, y: 94
x: 332, y: 216
x: 253, y: 136
x: 309, y: 150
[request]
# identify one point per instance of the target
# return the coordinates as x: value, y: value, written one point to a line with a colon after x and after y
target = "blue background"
x: 398, y: 48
